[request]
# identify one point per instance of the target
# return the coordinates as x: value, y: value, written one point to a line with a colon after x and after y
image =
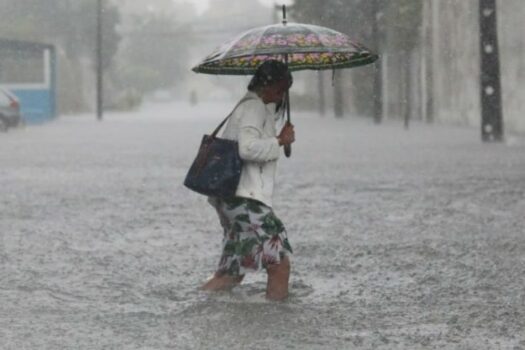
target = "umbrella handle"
x: 287, y: 150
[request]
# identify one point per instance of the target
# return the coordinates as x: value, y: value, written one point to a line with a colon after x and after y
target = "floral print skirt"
x: 254, y: 237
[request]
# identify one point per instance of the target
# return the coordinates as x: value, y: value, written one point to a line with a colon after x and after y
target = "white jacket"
x: 253, y: 126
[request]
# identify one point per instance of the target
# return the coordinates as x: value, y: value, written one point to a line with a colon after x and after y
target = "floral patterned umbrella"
x: 301, y: 46
x: 304, y: 46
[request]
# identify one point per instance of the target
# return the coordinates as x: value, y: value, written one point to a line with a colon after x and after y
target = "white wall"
x: 450, y: 48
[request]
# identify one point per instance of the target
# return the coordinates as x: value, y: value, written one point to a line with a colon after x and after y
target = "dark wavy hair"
x: 268, y: 73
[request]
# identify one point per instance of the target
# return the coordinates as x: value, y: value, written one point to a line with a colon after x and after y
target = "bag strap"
x: 216, y: 131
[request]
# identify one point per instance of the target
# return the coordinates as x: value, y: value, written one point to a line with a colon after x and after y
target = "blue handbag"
x: 216, y: 170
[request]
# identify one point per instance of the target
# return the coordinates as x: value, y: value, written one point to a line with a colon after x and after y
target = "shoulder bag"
x: 216, y: 170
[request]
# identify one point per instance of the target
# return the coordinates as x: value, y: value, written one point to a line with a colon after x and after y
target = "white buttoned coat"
x: 253, y: 126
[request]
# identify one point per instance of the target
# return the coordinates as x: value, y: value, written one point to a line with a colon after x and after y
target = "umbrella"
x: 301, y: 46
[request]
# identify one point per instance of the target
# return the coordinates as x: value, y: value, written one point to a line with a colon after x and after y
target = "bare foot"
x: 278, y: 277
x: 222, y: 282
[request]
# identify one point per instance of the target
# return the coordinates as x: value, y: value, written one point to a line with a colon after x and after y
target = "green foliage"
x: 243, y: 218
x: 157, y: 49
x: 271, y: 224
x: 253, y: 207
x: 401, y: 24
x: 381, y: 25
x: 287, y: 246
x: 229, y: 248
x: 356, y: 19
x: 234, y: 202
x: 398, y: 21
x: 352, y: 17
x: 237, y: 227
x: 137, y: 76
x: 245, y: 247
x: 70, y: 24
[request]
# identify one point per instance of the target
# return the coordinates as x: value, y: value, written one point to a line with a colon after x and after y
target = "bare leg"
x: 278, y: 277
x: 222, y: 282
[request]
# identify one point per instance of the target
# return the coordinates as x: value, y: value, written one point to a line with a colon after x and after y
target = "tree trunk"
x: 407, y: 89
x: 338, y: 95
x: 427, y: 72
x: 378, y: 84
x: 320, y: 80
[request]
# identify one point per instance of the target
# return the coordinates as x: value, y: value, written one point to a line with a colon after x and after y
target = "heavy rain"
x: 403, y: 198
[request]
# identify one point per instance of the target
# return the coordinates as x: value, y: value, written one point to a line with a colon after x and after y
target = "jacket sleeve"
x: 253, y: 146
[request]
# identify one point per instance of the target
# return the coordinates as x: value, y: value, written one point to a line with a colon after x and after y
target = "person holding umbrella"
x: 254, y: 237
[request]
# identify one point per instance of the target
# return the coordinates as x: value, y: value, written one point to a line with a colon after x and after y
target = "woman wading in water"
x: 254, y: 237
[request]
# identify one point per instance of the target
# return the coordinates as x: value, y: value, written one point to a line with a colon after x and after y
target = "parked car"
x: 10, y: 115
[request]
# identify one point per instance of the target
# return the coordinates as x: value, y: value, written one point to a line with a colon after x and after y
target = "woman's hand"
x: 287, y: 135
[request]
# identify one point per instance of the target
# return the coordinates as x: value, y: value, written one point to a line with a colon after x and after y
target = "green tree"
x: 351, y: 17
x: 401, y: 24
x: 401, y: 28
x: 71, y: 24
x: 154, y: 53
x: 382, y: 25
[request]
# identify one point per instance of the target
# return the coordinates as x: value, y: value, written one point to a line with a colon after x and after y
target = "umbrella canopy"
x: 303, y: 46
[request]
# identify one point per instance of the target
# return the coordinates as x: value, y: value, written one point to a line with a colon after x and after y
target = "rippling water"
x: 402, y: 240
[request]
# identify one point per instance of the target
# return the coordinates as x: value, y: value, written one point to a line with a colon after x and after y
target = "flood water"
x: 402, y: 239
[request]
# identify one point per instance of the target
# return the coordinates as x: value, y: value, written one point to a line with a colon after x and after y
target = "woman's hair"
x: 268, y: 73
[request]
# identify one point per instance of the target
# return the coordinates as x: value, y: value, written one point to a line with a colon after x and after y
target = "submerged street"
x: 402, y: 239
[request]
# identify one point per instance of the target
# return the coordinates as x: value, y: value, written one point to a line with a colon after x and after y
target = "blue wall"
x: 36, y: 105
x: 38, y: 98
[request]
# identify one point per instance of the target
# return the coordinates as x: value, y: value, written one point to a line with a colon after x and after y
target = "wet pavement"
x: 402, y: 239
